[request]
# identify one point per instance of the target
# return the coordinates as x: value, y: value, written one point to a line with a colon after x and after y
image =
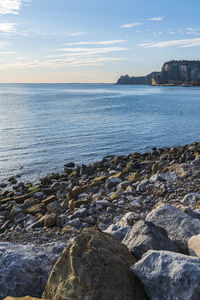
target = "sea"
x: 44, y: 126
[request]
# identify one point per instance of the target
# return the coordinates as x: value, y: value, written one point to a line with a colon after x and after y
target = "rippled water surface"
x: 44, y: 126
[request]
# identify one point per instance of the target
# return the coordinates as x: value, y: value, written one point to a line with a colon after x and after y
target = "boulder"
x: 25, y: 268
x: 146, y: 236
x: 194, y: 245
x: 168, y: 276
x: 94, y: 266
x: 179, y: 226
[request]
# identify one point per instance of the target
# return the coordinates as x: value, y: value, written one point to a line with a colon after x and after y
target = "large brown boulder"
x: 94, y: 266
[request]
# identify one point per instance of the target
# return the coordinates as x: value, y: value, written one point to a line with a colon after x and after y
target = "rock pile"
x: 149, y: 203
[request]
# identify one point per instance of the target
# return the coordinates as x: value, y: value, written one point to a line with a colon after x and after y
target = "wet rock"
x: 179, y: 226
x: 168, y: 276
x: 94, y: 266
x: 25, y: 268
x: 145, y: 236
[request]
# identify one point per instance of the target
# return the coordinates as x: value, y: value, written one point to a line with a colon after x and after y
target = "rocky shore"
x: 126, y: 227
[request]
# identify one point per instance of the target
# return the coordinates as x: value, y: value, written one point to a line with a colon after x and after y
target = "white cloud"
x: 60, y: 62
x: 11, y: 6
x: 97, y: 43
x: 157, y: 19
x: 8, y: 27
x: 89, y: 51
x: 130, y: 25
x: 184, y: 43
x: 77, y: 33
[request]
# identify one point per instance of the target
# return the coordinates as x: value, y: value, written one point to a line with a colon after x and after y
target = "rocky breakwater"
x: 139, y: 209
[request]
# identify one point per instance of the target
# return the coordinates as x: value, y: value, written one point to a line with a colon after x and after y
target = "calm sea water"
x: 44, y: 126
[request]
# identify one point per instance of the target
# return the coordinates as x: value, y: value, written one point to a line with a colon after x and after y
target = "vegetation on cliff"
x: 175, y: 72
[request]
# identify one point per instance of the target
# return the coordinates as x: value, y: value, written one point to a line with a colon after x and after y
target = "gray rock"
x: 179, y: 226
x: 168, y: 177
x: 112, y: 182
x: 196, y: 163
x: 146, y: 236
x: 118, y: 231
x: 169, y: 276
x: 25, y: 268
x: 80, y: 213
x: 141, y: 187
x: 191, y: 200
x: 74, y: 223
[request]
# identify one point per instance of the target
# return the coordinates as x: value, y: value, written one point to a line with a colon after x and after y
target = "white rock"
x: 25, y: 268
x: 169, y: 276
x: 118, y: 231
x: 194, y: 245
x: 191, y: 200
x: 179, y: 226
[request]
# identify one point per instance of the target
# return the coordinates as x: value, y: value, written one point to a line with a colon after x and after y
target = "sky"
x: 94, y: 41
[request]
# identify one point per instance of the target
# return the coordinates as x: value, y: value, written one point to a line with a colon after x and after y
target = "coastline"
x: 96, y: 187
x: 145, y: 201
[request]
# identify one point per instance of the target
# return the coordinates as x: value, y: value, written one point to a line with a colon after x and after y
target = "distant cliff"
x: 182, y: 72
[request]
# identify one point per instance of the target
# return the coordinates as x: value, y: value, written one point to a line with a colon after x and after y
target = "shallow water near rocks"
x: 44, y: 126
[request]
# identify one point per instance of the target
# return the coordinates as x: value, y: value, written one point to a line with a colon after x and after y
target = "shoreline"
x: 103, y: 191
x: 142, y: 206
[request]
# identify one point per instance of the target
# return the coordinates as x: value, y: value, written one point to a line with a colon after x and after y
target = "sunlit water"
x: 44, y: 126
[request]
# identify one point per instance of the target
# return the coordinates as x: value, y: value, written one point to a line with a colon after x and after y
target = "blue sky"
x: 94, y: 41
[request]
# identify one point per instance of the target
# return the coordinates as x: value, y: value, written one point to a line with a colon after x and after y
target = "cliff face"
x: 137, y: 80
x: 172, y: 73
x: 179, y: 73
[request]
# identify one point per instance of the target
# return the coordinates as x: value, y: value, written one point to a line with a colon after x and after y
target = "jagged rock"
x: 94, y: 266
x: 146, y: 236
x: 179, y: 226
x: 194, y: 245
x: 25, y: 268
x: 168, y: 276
